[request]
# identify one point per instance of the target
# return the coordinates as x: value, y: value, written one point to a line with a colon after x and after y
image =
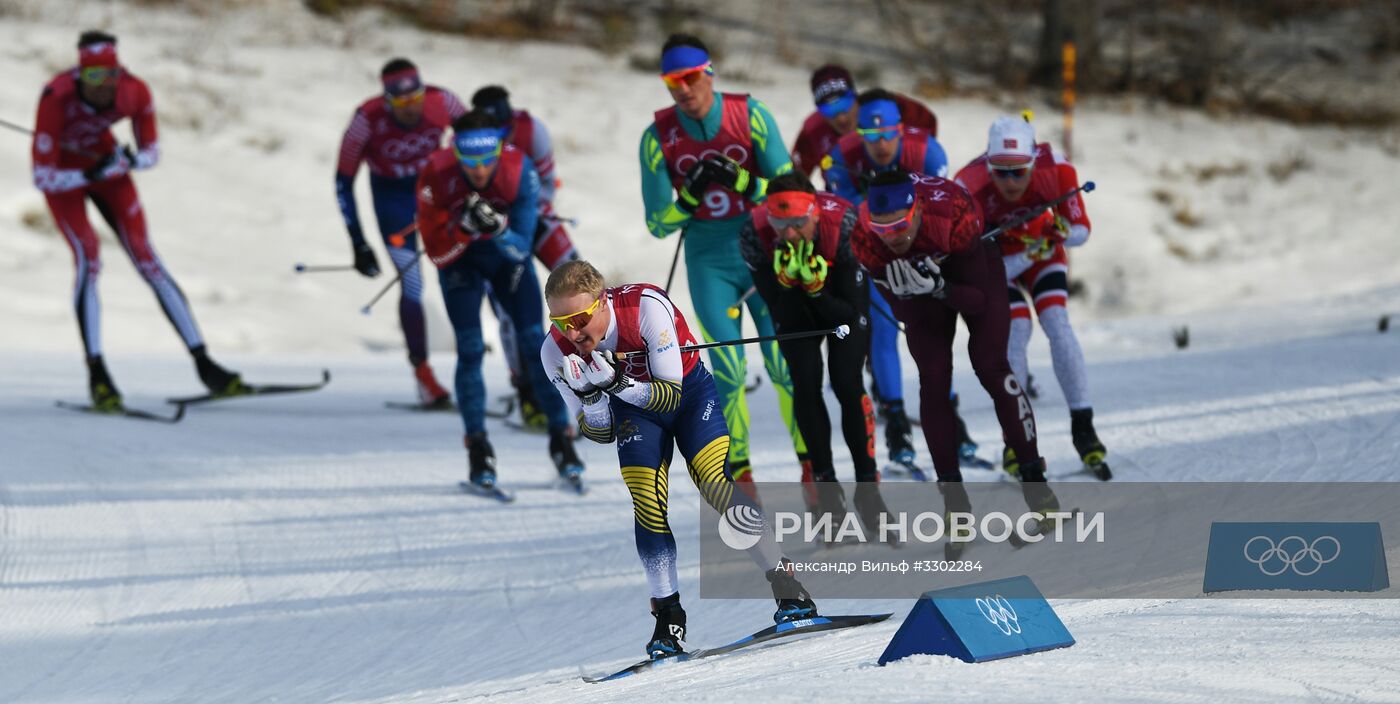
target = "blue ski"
x: 494, y: 492
x: 782, y: 630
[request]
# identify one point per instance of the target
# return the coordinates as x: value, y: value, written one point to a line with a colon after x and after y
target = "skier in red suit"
x: 76, y: 159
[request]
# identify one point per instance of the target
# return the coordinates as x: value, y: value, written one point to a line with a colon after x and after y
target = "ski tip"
x: 179, y: 413
x: 325, y: 376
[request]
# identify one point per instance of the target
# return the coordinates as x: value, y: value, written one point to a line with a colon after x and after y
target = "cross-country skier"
x: 552, y: 244
x: 705, y: 161
x: 614, y: 355
x: 882, y: 141
x: 798, y: 248
x: 76, y: 159
x: 476, y: 210
x: 907, y: 223
x: 395, y: 133
x: 1013, y: 176
x: 834, y: 92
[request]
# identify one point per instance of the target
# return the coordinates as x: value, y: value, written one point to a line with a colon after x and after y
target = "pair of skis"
x: 181, y: 403
x: 571, y: 483
x: 816, y: 624
x: 906, y: 467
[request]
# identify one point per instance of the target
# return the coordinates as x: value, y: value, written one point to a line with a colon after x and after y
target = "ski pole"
x: 674, y: 260
x: 888, y: 317
x: 1088, y: 187
x: 319, y: 268
x: 397, y: 277
x: 571, y: 222
x: 71, y: 150
x: 15, y: 126
x: 840, y: 331
x: 734, y: 309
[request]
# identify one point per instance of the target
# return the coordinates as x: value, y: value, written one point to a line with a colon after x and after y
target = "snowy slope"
x: 313, y: 548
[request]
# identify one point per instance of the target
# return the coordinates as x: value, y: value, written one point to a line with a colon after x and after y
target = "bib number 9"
x: 718, y: 203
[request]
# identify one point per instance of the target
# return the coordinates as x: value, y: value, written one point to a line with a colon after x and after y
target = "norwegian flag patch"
x: 1008, y: 144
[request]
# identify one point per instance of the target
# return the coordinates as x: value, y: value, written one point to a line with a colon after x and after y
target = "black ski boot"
x: 670, y: 627
x: 1086, y: 443
x: 1009, y: 463
x: 481, y: 461
x: 899, y: 434
x: 967, y: 447
x: 794, y: 603
x: 219, y: 381
x: 870, y: 506
x: 1038, y: 496
x: 955, y: 500
x: 531, y: 416
x: 831, y: 501
x: 104, y: 394
x: 565, y: 458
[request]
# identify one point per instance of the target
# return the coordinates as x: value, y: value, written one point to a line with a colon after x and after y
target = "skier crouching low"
x: 614, y: 355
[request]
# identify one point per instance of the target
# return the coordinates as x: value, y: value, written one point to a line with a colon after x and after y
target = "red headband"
x: 98, y: 54
x: 791, y: 204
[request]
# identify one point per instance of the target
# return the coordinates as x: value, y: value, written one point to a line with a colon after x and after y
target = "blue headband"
x: 878, y: 113
x: 679, y: 58
x: 833, y: 108
x: 889, y: 198
x: 477, y: 142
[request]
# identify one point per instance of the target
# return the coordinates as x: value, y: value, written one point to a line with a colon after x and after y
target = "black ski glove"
x: 729, y: 174
x: 697, y: 181
x: 365, y: 261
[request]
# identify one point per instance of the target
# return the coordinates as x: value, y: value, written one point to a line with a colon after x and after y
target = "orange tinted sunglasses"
x: 578, y: 320
x: 687, y: 76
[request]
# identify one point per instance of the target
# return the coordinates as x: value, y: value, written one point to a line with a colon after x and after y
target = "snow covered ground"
x: 313, y: 548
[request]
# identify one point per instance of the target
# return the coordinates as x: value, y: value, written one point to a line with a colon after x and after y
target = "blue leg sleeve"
x: 461, y: 293
x: 884, y: 349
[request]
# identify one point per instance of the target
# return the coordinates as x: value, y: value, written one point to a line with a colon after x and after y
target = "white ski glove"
x: 577, y: 379
x: 919, y: 278
x: 601, y: 371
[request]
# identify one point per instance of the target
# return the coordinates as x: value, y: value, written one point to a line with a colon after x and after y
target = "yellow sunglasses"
x: 97, y: 75
x: 413, y: 98
x: 578, y: 320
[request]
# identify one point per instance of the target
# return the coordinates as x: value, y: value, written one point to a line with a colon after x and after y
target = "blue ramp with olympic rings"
x: 1296, y: 556
x: 979, y: 622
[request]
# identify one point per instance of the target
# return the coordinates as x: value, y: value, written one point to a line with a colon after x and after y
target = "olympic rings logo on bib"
x: 736, y: 152
x: 411, y: 146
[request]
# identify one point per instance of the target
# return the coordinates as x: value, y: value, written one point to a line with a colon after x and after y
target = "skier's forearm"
x: 662, y: 215
x: 345, y: 197
x: 658, y: 396
x: 595, y: 422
